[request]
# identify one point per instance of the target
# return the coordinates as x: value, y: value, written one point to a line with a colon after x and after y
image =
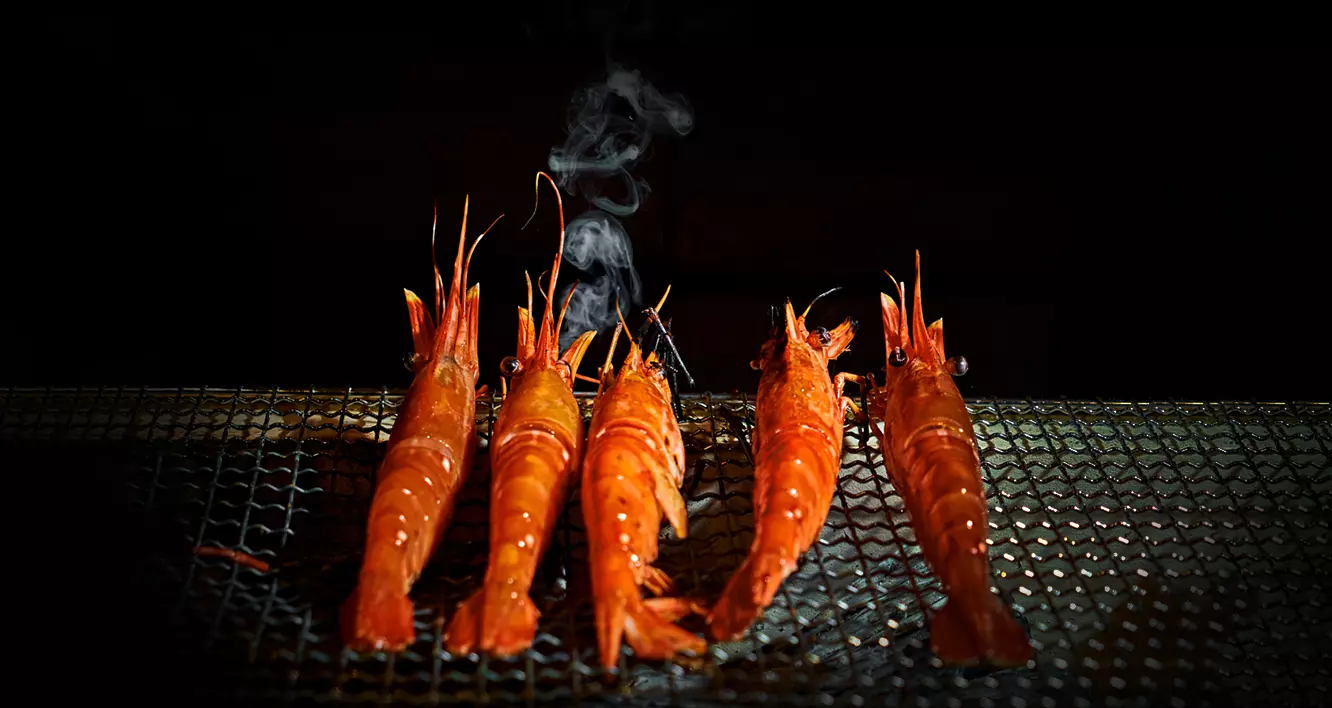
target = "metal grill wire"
x: 1172, y: 553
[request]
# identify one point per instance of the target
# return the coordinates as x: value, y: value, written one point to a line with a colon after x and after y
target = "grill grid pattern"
x: 1169, y: 553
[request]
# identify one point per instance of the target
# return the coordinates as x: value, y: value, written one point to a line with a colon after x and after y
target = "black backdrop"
x: 229, y: 206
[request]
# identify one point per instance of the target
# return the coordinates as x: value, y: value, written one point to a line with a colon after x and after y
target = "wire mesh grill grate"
x: 1172, y: 553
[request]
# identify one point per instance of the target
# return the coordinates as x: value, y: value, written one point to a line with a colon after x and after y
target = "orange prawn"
x: 797, y: 451
x: 429, y: 454
x: 632, y: 474
x: 930, y: 451
x: 535, y: 451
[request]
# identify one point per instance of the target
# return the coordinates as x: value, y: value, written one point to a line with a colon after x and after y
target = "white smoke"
x: 605, y: 141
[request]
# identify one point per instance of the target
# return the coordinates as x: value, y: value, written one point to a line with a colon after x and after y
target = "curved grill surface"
x: 1161, y: 553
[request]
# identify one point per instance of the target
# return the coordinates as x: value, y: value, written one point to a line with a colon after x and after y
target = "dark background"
x: 224, y: 205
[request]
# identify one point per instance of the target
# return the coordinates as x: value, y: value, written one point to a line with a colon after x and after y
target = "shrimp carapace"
x: 929, y: 448
x: 428, y: 456
x: 632, y: 475
x: 535, y: 450
x: 797, y: 451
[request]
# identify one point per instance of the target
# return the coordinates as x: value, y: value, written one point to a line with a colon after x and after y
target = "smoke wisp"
x: 611, y: 124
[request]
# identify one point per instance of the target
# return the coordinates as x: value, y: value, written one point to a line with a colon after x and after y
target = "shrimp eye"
x: 754, y: 364
x: 897, y: 357
x: 957, y: 366
x: 825, y: 338
x: 510, y: 366
x: 567, y: 367
x: 410, y: 362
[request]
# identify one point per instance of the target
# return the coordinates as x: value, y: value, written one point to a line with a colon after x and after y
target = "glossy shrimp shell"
x: 930, y: 451
x: 797, y: 455
x: 536, y: 448
x: 429, y: 453
x: 631, y: 480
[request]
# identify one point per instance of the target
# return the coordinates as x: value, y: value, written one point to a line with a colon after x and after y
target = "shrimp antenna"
x: 528, y: 278
x: 544, y: 339
x: 654, y: 317
x: 662, y: 303
x: 559, y: 324
x: 615, y: 339
x: 622, y: 322
x: 890, y: 277
x: 536, y: 204
x: 468, y: 264
x: 539, y: 288
x: 439, y: 280
x: 820, y: 297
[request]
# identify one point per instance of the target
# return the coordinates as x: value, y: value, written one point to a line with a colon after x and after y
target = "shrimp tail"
x: 378, y: 620
x: 648, y: 626
x: 510, y: 621
x: 979, y: 631
x: 493, y: 620
x: 750, y: 590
